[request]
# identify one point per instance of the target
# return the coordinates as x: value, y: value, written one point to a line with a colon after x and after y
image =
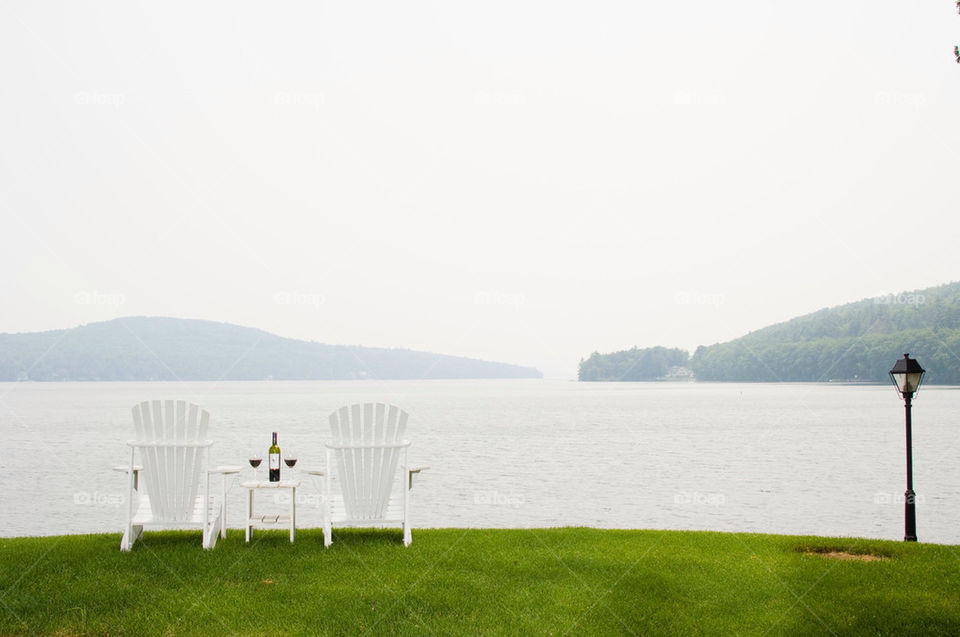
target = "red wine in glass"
x: 255, y: 457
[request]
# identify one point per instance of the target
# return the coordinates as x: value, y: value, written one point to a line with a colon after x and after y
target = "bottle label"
x: 274, y: 460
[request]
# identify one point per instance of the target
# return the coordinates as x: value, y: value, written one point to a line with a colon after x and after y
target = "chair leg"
x: 130, y: 536
x: 212, y: 534
x: 327, y: 524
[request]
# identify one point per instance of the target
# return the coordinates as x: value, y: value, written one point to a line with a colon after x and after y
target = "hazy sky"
x: 516, y: 181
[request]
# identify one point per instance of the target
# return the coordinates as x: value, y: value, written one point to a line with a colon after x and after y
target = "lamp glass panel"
x: 912, y: 381
x: 898, y: 381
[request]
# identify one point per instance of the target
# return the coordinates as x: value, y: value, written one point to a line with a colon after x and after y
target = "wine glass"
x: 255, y: 457
x: 290, y: 456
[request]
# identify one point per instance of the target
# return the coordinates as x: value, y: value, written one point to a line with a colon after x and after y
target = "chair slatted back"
x: 167, y: 435
x: 367, y: 473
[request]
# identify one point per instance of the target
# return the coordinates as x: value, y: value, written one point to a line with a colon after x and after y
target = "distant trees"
x: 857, y: 341
x: 846, y: 358
x: 143, y: 348
x: 632, y: 364
x: 956, y: 49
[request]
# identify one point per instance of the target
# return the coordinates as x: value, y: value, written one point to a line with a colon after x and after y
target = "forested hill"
x: 857, y: 341
x: 141, y: 348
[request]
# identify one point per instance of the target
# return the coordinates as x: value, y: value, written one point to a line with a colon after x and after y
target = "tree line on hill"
x: 854, y: 342
x: 141, y: 348
x: 633, y: 364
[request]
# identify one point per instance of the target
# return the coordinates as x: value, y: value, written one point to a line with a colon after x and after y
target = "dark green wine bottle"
x: 274, y: 455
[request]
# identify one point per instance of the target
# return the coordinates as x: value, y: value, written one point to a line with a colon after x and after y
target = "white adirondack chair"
x: 174, y: 488
x: 372, y: 477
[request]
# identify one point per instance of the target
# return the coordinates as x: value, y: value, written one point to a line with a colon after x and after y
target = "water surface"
x: 780, y: 458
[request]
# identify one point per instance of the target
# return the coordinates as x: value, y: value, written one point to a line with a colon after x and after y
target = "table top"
x: 266, y: 484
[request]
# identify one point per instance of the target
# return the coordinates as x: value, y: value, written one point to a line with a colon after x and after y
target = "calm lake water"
x: 777, y: 458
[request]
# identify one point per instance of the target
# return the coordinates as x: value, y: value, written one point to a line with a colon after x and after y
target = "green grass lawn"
x: 455, y: 581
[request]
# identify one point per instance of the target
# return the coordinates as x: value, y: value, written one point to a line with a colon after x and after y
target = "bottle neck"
x: 274, y: 438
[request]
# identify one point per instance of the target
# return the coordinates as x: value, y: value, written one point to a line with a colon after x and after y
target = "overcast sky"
x: 517, y: 181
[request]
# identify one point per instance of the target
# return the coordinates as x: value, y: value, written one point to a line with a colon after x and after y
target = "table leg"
x: 293, y: 511
x: 249, y: 512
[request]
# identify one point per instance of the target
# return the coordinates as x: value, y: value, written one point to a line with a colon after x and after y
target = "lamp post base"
x: 910, y: 516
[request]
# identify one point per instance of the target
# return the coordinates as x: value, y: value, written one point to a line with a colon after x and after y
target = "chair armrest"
x: 125, y: 468
x: 226, y: 469
x: 365, y: 445
x: 410, y: 472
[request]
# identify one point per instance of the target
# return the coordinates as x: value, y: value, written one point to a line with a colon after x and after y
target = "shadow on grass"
x: 314, y: 538
x: 189, y: 539
x: 368, y: 537
x: 165, y: 538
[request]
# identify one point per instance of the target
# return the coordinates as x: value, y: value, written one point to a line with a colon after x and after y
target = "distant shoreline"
x: 145, y: 349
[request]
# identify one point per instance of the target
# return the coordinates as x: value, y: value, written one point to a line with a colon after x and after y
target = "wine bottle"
x: 274, y: 452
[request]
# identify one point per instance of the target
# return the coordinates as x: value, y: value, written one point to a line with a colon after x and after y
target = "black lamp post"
x: 907, y: 376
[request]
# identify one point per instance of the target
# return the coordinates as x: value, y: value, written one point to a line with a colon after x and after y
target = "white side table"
x: 257, y: 485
